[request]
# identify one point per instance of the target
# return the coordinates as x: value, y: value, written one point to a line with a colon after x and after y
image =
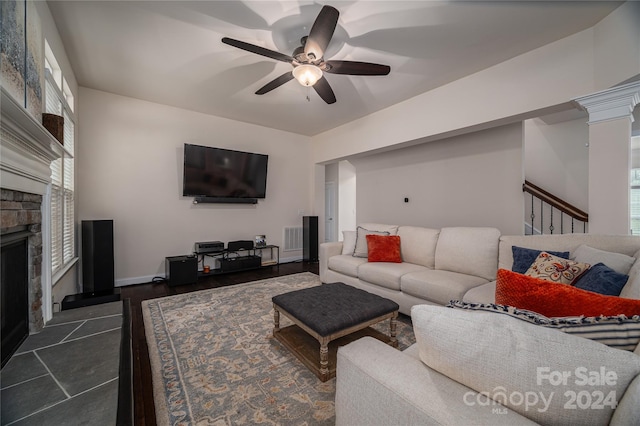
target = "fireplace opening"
x: 14, y: 289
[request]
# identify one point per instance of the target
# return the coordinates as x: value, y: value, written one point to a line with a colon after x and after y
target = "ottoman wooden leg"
x: 392, y: 332
x: 276, y: 320
x: 324, y: 361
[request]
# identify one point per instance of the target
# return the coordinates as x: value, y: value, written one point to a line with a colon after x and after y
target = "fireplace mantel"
x: 26, y: 150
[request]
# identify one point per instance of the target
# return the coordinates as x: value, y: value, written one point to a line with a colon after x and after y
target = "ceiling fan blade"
x: 324, y: 90
x: 357, y: 68
x: 257, y: 50
x: 321, y: 32
x: 273, y: 84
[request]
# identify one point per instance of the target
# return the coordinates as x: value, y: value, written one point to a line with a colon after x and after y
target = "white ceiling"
x: 170, y: 52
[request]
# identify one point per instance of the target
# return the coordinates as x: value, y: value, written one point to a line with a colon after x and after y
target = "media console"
x: 243, y: 259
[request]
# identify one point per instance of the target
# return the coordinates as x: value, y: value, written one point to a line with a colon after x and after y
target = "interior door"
x: 330, y: 224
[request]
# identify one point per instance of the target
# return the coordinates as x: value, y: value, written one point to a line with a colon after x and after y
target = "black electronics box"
x: 180, y: 270
x: 209, y: 247
x: 240, y: 245
x: 239, y: 263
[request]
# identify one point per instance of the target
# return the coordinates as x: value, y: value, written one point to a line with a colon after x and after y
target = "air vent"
x: 292, y: 238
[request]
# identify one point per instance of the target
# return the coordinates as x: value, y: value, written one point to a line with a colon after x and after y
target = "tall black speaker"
x: 97, y: 256
x: 310, y: 238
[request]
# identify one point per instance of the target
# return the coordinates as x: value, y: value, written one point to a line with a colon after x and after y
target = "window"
x: 634, y: 198
x: 59, y: 100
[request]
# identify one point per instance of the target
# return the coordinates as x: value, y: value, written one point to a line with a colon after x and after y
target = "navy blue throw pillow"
x: 602, y: 279
x: 523, y: 257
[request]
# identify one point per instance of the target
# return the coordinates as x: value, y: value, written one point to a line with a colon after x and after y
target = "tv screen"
x: 224, y: 173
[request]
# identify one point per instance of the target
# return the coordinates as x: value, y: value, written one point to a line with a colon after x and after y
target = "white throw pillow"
x: 348, y: 242
x: 621, y: 263
x: 536, y: 371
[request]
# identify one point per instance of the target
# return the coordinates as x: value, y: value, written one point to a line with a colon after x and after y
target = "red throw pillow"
x: 558, y: 300
x: 384, y: 248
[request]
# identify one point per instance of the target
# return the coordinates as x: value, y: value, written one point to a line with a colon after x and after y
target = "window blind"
x: 62, y: 182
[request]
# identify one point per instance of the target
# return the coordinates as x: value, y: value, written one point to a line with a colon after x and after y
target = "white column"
x: 610, y: 117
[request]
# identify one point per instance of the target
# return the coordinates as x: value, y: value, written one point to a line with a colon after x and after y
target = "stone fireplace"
x: 21, y: 214
x: 26, y: 152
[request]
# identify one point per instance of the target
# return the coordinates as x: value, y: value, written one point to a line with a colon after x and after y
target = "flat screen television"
x: 223, y: 173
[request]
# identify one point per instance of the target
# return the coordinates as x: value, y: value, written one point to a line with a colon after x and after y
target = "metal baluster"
x: 551, y: 228
x: 541, y: 217
x: 572, y: 226
x: 533, y: 215
x: 561, y: 222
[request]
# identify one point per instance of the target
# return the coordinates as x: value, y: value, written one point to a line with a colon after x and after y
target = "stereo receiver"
x: 209, y: 247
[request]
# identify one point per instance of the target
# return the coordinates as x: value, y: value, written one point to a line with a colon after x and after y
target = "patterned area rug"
x: 215, y: 362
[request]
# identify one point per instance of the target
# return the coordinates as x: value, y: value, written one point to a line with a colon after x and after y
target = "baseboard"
x: 123, y: 282
x: 290, y: 259
x: 136, y: 280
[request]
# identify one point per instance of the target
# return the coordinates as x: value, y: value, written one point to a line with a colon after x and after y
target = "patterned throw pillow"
x: 553, y: 268
x: 524, y: 257
x: 361, y: 241
x: 620, y: 331
x: 602, y: 279
x: 384, y: 248
x: 554, y: 300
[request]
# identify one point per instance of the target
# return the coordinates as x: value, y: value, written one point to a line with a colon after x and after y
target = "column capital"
x: 610, y: 104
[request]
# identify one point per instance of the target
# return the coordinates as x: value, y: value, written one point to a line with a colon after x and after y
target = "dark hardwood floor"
x: 142, y: 385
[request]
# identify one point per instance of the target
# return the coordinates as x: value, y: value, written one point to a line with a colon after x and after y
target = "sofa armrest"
x: 326, y: 251
x: 379, y: 385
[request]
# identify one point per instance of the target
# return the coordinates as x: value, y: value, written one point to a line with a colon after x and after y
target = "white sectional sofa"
x: 460, y: 357
x: 458, y: 263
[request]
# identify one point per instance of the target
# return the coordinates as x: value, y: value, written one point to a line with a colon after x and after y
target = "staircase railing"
x: 546, y: 204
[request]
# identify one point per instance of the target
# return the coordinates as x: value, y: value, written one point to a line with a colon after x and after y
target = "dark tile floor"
x: 68, y: 373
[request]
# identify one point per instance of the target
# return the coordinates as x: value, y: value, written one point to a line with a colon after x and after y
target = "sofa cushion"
x: 524, y: 257
x: 418, y: 245
x: 620, y: 332
x: 438, y: 286
x: 485, y: 293
x: 361, y: 249
x: 556, y: 269
x: 346, y: 264
x: 349, y: 242
x: 628, y: 410
x: 554, y: 300
x: 472, y: 251
x: 602, y: 279
x: 619, y: 262
x: 377, y: 385
x: 471, y: 348
x: 383, y: 248
x: 386, y: 274
x: 632, y: 289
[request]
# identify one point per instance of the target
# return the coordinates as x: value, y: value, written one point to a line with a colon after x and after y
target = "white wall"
x: 542, y: 79
x: 130, y: 158
x: 469, y: 180
x: 556, y: 159
x: 347, y: 194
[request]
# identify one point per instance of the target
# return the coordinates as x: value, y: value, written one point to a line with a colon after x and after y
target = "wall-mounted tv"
x: 223, y: 175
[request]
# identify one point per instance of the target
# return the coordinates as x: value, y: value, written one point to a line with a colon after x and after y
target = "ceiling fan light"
x: 307, y: 74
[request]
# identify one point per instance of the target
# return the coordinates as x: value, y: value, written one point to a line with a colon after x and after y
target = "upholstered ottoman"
x: 326, y: 317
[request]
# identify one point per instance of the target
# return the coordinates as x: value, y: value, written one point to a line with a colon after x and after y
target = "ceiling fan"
x: 308, y: 59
